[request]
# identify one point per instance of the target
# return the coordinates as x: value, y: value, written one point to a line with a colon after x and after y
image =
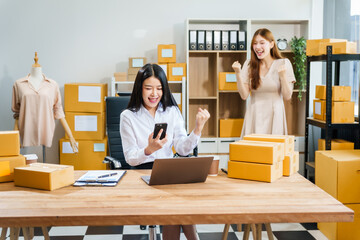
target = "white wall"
x: 89, y: 40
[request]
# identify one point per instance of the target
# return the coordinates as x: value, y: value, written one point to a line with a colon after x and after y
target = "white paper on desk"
x: 318, y: 108
x: 177, y: 71
x: 166, y: 53
x: 93, y: 176
x: 66, y: 147
x: 86, y: 123
x: 230, y: 77
x: 90, y: 94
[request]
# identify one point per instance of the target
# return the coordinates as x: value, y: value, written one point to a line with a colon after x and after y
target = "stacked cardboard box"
x: 336, y: 144
x: 231, y: 127
x: 337, y: 173
x: 9, y: 155
x: 315, y: 47
x: 85, y: 114
x: 227, y: 81
x: 342, y: 107
x: 291, y: 159
x: 135, y: 64
x: 174, y: 71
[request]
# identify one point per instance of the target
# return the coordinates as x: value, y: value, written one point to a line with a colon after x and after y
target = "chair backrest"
x: 114, y: 107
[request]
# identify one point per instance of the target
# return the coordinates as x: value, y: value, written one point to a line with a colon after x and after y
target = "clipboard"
x: 100, y: 178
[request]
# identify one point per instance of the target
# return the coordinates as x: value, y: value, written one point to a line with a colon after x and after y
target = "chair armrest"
x: 114, y: 163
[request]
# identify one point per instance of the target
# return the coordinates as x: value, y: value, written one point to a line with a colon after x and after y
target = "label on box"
x: 318, y: 108
x: 137, y: 62
x: 66, y: 147
x: 99, y: 147
x: 86, y: 123
x: 177, y: 71
x: 89, y: 94
x: 230, y: 78
x: 166, y: 53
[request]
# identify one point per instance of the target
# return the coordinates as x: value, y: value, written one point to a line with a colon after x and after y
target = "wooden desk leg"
x: 26, y: 233
x: 258, y: 231
x: 31, y: 232
x: 246, y: 232
x: 269, y: 231
x: 45, y: 233
x: 253, y: 230
x: 239, y: 227
x: 3, y: 233
x: 225, y: 232
x: 14, y: 233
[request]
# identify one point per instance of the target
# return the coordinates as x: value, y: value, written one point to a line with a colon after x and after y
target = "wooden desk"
x: 132, y: 202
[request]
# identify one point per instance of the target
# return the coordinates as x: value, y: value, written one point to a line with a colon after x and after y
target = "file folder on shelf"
x: 224, y: 40
x: 192, y: 39
x: 217, y: 40
x: 200, y: 40
x: 209, y: 40
x: 233, y: 40
x: 241, y: 40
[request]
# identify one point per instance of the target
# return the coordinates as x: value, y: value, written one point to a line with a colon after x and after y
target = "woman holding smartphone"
x: 151, y: 102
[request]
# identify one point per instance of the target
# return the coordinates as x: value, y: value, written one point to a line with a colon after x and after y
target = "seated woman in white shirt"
x: 152, y: 102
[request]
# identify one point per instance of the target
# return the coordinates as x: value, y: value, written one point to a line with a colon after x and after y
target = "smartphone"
x: 157, y: 128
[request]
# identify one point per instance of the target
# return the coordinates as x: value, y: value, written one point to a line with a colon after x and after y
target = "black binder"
x: 224, y: 40
x: 217, y: 40
x: 241, y: 40
x: 233, y: 40
x: 200, y: 40
x: 209, y: 40
x: 192, y: 40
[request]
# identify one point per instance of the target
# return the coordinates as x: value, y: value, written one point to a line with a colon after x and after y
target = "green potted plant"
x: 298, y: 47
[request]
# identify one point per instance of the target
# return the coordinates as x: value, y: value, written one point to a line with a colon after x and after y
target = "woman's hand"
x: 155, y: 144
x: 201, y: 118
x: 236, y: 66
x: 74, y: 145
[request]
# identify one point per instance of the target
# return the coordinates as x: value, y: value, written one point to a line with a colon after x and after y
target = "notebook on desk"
x: 179, y: 170
x: 100, y: 178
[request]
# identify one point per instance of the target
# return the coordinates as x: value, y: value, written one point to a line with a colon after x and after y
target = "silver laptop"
x: 179, y: 170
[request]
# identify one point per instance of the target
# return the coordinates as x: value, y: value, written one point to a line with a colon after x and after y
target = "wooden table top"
x: 132, y: 202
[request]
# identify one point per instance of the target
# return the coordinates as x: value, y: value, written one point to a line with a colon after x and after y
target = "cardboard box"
x: 86, y: 126
x: 133, y: 71
x: 167, y: 53
x: 137, y: 62
x: 336, y: 144
x: 9, y: 143
x: 4, y: 168
x: 11, y: 163
x: 339, y: 93
x: 178, y: 99
x: 291, y: 164
x: 177, y: 71
x: 338, y: 47
x: 256, y: 152
x: 255, y: 171
x: 287, y: 140
x: 227, y: 81
x: 336, y: 172
x: 90, y: 156
x: 131, y: 77
x: 342, y: 112
x: 85, y: 97
x: 313, y: 45
x: 120, y: 76
x: 44, y: 176
x: 164, y: 66
x: 343, y: 230
x: 231, y: 127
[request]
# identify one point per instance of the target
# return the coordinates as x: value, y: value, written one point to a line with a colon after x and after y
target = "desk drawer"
x: 223, y: 144
x: 208, y: 145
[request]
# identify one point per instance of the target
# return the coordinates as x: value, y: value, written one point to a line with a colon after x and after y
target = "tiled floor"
x: 282, y: 231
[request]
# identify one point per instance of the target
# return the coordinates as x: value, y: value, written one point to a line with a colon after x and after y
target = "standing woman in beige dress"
x: 268, y: 78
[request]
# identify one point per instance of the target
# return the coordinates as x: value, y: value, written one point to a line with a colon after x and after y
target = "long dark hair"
x: 254, y: 73
x: 144, y: 73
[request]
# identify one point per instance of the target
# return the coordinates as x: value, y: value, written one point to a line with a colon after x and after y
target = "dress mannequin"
x: 37, y: 79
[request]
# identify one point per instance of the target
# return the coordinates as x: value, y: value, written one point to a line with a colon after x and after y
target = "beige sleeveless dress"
x: 265, y: 111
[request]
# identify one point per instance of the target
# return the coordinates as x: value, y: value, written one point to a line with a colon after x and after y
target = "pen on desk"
x: 107, y: 175
x: 224, y: 171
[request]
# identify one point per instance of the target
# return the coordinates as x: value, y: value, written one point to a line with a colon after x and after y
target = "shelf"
x: 203, y: 98
x: 322, y: 124
x: 335, y: 57
x: 228, y: 91
x: 217, y: 51
x: 125, y: 82
x: 311, y: 164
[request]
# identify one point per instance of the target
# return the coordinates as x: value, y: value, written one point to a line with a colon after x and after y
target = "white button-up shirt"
x: 135, y: 128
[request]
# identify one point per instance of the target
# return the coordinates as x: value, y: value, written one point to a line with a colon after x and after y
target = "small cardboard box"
x: 343, y: 230
x: 313, y: 45
x: 287, y: 140
x: 231, y: 127
x: 338, y: 47
x: 336, y: 144
x: 133, y: 71
x: 85, y: 97
x: 227, y: 81
x: 178, y: 99
x: 176, y: 71
x: 131, y: 77
x: 342, y: 112
x: 4, y: 168
x: 339, y: 93
x: 164, y: 66
x: 11, y: 163
x: 120, y: 76
x: 255, y: 171
x: 336, y: 172
x: 9, y: 143
x: 137, y: 62
x: 90, y: 156
x: 86, y: 126
x: 256, y: 152
x: 167, y: 53
x: 291, y: 164
x: 319, y: 109
x: 44, y: 176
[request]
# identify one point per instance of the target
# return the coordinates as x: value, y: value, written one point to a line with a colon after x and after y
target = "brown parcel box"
x: 12, y: 162
x: 313, y: 45
x: 342, y: 112
x: 231, y: 127
x: 86, y: 126
x: 44, y: 176
x: 339, y: 93
x: 120, y: 76
x: 336, y: 144
x: 85, y: 97
x: 167, y: 53
x: 338, y: 48
x: 336, y: 172
x: 177, y: 71
x: 227, y: 81
x: 137, y: 62
x: 9, y: 143
x: 291, y: 164
x: 288, y: 140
